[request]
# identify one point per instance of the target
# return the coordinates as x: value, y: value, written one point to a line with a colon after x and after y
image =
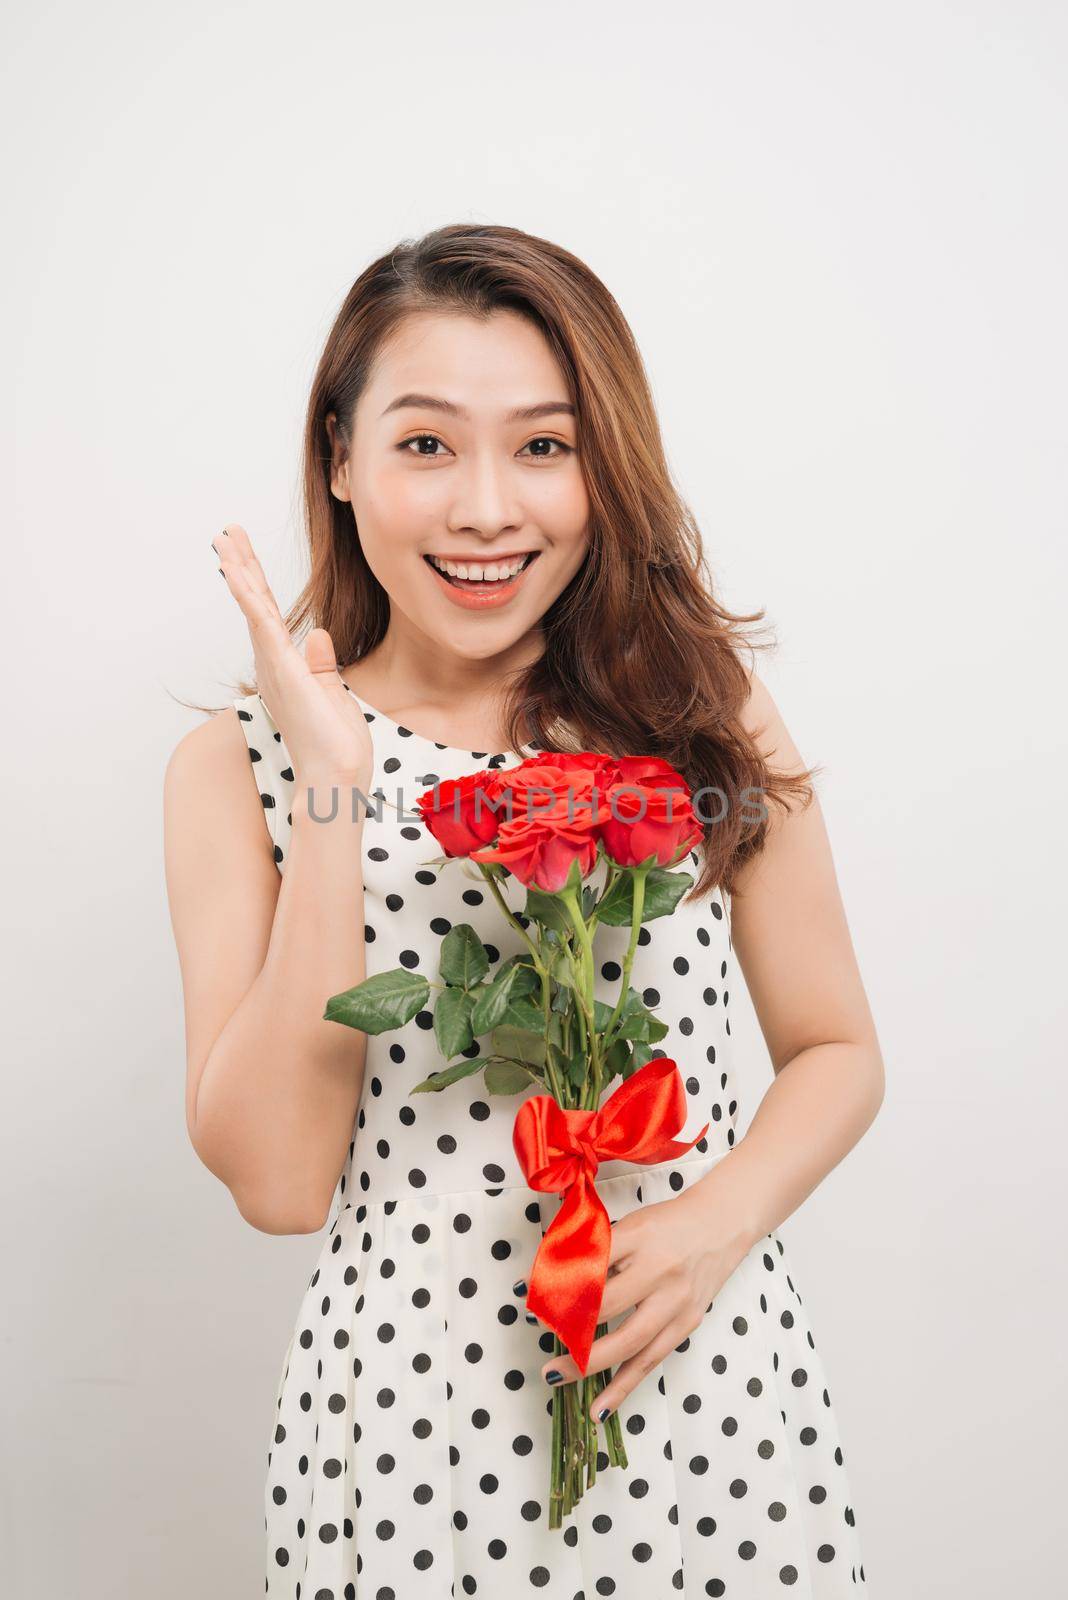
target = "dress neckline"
x: 403, y: 731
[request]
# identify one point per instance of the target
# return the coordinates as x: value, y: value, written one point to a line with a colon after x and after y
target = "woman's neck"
x: 464, y: 712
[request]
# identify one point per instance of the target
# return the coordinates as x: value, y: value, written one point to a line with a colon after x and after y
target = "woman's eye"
x: 421, y: 438
x: 541, y: 455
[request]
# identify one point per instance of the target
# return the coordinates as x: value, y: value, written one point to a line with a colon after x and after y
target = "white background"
x: 838, y: 231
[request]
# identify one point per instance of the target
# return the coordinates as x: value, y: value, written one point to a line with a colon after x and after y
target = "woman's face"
x: 445, y: 464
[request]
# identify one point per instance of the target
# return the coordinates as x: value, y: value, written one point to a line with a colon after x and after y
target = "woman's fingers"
x: 319, y: 655
x: 234, y: 549
x: 627, y: 1286
x: 239, y: 542
x: 320, y: 659
x: 250, y: 589
x: 631, y: 1337
x: 632, y: 1372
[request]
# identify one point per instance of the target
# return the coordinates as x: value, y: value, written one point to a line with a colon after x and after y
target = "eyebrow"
x: 430, y: 402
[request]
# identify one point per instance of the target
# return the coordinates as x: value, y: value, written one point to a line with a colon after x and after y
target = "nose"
x: 486, y: 500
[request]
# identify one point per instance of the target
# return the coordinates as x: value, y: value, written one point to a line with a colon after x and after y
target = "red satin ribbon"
x: 561, y: 1149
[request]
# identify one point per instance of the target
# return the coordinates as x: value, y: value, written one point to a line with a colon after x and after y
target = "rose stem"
x: 556, y: 1489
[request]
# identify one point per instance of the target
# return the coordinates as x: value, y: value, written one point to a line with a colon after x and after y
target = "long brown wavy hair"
x: 640, y: 658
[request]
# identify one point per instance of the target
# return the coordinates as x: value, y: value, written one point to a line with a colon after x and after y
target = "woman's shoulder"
x: 207, y: 774
x: 763, y: 722
x: 220, y: 740
x: 208, y: 748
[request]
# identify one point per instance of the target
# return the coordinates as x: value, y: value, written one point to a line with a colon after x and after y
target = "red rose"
x: 552, y: 808
x: 538, y: 785
x: 462, y: 816
x: 650, y: 813
x: 540, y: 851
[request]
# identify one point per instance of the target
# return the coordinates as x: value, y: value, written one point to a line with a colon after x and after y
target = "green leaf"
x: 619, y: 898
x: 386, y: 1000
x: 452, y: 1021
x: 663, y: 891
x: 464, y: 961
x: 546, y: 910
x: 507, y: 1077
x: 450, y: 1074
x: 618, y: 1058
x: 563, y: 996
x: 492, y: 1000
x: 573, y: 1067
x: 639, y: 1055
x: 519, y: 1044
x: 601, y: 1015
x: 636, y: 1021
x: 643, y: 1027
x: 526, y: 1012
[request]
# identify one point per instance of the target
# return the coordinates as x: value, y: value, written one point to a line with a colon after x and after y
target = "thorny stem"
x: 491, y: 879
x: 585, y: 993
x: 640, y: 875
x: 556, y: 1487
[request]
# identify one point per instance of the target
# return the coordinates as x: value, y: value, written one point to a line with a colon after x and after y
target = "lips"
x: 479, y: 595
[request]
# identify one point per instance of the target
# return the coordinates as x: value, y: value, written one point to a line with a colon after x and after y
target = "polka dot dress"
x: 409, y: 1451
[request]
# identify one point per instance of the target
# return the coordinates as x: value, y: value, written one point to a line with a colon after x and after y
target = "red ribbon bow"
x: 561, y: 1149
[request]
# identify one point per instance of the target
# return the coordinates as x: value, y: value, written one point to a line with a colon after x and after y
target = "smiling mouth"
x: 486, y: 584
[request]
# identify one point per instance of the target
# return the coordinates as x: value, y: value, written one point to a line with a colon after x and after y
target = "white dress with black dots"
x: 409, y: 1453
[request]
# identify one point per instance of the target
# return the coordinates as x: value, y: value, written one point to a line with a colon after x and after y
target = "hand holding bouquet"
x: 550, y: 822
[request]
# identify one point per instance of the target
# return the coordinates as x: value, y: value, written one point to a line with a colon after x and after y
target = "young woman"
x: 500, y: 565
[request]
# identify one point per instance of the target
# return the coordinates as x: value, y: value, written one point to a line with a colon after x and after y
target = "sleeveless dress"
x: 409, y: 1453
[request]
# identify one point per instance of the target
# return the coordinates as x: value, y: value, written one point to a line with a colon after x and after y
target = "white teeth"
x: 495, y: 573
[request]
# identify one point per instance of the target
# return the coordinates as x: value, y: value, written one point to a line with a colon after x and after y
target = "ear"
x: 339, y: 465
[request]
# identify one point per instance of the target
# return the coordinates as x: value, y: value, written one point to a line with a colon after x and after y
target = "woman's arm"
x: 271, y: 1088
x: 792, y: 940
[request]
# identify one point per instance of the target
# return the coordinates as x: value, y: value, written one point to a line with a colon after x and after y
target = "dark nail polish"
x: 554, y: 1377
x: 602, y: 1413
x: 221, y: 573
x: 532, y: 1319
x: 520, y: 1287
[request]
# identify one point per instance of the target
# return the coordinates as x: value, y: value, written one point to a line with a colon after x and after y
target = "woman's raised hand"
x: 321, y: 723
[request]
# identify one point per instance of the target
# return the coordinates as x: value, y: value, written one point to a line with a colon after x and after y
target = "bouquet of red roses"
x: 563, y: 817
